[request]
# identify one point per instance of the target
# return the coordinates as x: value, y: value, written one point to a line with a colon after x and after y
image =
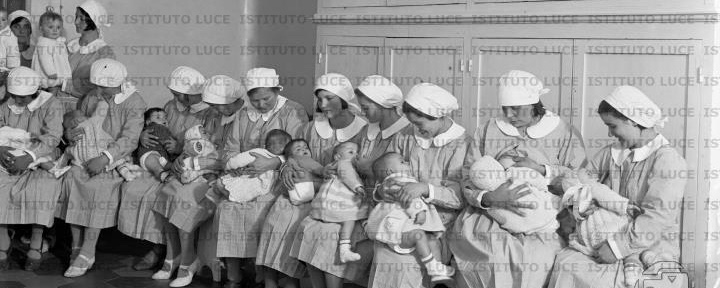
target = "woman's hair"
x: 287, y: 152
x: 538, y: 109
x: 32, y: 96
x: 89, y: 23
x: 275, y: 90
x: 18, y: 20
x: 343, y: 104
x: 606, y: 108
x: 150, y: 112
x: 50, y: 16
x: 406, y: 108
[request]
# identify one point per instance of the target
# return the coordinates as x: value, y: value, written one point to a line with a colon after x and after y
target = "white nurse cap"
x: 107, y: 72
x: 186, y: 80
x: 262, y: 77
x: 339, y: 85
x: 520, y: 88
x: 23, y: 81
x: 432, y: 100
x: 381, y: 91
x: 221, y: 89
x: 636, y: 106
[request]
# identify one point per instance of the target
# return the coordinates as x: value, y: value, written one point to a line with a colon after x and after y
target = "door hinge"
x: 319, y: 59
x: 470, y: 65
x: 462, y: 65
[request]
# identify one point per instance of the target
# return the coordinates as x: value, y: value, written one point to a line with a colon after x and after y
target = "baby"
x: 16, y: 141
x: 599, y: 213
x: 341, y: 198
x: 50, y: 58
x: 405, y: 230
x: 308, y: 171
x: 488, y: 174
x: 155, y: 159
x: 94, y: 141
x: 245, y: 188
x: 197, y: 145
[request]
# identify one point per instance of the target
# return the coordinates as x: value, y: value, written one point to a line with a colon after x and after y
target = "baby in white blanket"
x: 17, y: 141
x: 245, y: 188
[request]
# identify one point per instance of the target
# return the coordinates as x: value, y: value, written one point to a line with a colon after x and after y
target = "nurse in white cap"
x: 21, y: 26
x: 527, y: 136
x: 93, y: 191
x: 21, y: 188
x: 336, y: 124
x: 267, y: 110
x: 643, y: 167
x: 185, y: 205
x: 136, y: 218
x: 435, y: 151
x: 90, y: 17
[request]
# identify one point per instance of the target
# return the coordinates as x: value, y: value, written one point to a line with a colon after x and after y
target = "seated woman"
x: 633, y: 119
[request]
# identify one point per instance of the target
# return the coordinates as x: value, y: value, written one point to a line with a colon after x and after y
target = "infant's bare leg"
x: 346, y: 255
x: 152, y: 163
x: 428, y: 248
x: 419, y: 240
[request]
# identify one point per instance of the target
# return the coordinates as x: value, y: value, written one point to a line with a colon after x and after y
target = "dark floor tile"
x: 11, y: 284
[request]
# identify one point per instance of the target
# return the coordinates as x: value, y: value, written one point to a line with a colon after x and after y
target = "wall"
x: 154, y: 37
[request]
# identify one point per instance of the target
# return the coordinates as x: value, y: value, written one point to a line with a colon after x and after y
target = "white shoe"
x: 75, y: 271
x: 187, y: 279
x: 347, y: 255
x: 439, y: 273
x: 166, y: 271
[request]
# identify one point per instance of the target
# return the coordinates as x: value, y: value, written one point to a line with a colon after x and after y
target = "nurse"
x: 28, y: 196
x: 240, y: 223
x: 93, y: 191
x: 486, y: 254
x: 435, y: 151
x: 643, y: 167
x: 136, y: 217
x: 85, y: 50
x: 185, y: 205
x: 21, y: 28
x: 337, y: 124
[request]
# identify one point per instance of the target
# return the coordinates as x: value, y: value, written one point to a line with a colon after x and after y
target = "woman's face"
x: 519, y: 116
x: 427, y: 128
x: 329, y: 103
x: 108, y: 92
x: 22, y: 100
x: 180, y: 97
x: 80, y: 24
x: 622, y: 129
x: 263, y: 99
x: 193, y: 99
x: 228, y: 109
x: 22, y: 29
x: 371, y: 110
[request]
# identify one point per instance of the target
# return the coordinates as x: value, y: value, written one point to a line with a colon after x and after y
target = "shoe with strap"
x: 169, y: 266
x: 185, y: 274
x: 76, y: 270
x: 32, y: 264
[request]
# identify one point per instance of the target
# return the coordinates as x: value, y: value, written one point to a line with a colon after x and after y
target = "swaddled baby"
x: 197, y: 145
x: 599, y: 213
x: 16, y: 141
x: 245, y: 188
x: 488, y: 174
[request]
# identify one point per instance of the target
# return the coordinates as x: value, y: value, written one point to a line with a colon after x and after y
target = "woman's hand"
x: 506, y: 198
x: 148, y: 140
x: 410, y: 191
x: 529, y: 163
x: 262, y: 164
x: 605, y: 254
x: 15, y: 164
x: 76, y: 134
x: 287, y: 174
x: 96, y: 165
x: 178, y: 166
x: 330, y: 170
x: 170, y: 145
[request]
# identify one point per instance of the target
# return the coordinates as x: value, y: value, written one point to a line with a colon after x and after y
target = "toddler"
x: 197, y: 145
x: 488, y: 174
x: 405, y: 229
x: 308, y: 171
x: 50, y: 58
x: 245, y: 188
x: 341, y: 198
x: 155, y: 159
x: 9, y: 53
x: 599, y: 213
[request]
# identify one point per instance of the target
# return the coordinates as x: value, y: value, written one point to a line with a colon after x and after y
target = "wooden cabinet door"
x: 549, y: 60
x: 666, y: 71
x: 354, y: 57
x: 417, y: 60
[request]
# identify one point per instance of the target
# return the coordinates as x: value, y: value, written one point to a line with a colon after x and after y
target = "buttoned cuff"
x: 549, y: 172
x: 32, y: 154
x: 109, y: 156
x: 615, y: 248
x: 479, y: 199
x: 431, y: 192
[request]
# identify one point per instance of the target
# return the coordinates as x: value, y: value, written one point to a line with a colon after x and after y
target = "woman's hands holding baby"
x: 288, y: 173
x: 96, y: 165
x: 410, y: 191
x: 507, y: 198
x: 529, y: 163
x: 75, y: 134
x: 261, y: 164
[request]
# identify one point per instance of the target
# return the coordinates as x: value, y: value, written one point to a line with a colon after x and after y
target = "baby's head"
x: 297, y: 148
x: 390, y: 163
x: 156, y: 115
x: 72, y: 119
x: 197, y: 142
x: 276, y: 140
x: 51, y: 24
x: 487, y: 173
x: 346, y: 151
x: 3, y: 18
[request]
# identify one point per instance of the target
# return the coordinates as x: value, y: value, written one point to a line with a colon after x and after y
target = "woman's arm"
x: 130, y: 132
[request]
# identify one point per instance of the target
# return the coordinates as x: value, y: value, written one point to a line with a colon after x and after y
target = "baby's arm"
x: 417, y: 210
x: 349, y: 177
x: 311, y: 165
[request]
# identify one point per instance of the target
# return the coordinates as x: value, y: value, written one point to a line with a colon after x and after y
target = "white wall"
x: 154, y: 37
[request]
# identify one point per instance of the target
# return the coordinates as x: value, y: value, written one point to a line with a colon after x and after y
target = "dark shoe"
x: 33, y: 264
x: 149, y: 261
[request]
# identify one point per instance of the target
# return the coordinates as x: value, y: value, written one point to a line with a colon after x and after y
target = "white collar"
x: 33, y: 105
x: 374, y: 129
x: 254, y: 114
x: 619, y: 154
x: 60, y: 39
x: 545, y: 126
x: 92, y: 47
x: 127, y: 90
x: 456, y: 131
x: 325, y: 131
